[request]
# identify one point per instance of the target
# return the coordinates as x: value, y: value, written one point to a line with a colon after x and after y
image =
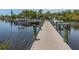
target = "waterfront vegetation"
x: 4, y: 45
x: 67, y: 15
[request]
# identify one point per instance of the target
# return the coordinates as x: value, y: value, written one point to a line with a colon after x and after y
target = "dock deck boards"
x: 50, y: 39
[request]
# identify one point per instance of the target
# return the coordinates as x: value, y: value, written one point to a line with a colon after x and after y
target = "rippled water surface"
x: 14, y: 37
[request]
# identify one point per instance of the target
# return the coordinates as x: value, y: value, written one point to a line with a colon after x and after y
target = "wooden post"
x: 34, y: 32
x: 65, y: 35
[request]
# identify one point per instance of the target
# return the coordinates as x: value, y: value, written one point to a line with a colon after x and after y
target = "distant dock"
x: 27, y: 22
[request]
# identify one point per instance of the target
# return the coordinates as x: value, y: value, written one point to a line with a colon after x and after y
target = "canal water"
x: 14, y: 37
x: 71, y: 37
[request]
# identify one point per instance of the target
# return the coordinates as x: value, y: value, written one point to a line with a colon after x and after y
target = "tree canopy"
x: 32, y: 14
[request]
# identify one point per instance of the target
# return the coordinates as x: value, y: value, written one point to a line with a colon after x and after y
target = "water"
x: 71, y: 37
x: 16, y: 38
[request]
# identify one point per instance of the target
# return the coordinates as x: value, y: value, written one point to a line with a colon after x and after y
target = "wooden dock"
x: 50, y: 39
x: 27, y: 22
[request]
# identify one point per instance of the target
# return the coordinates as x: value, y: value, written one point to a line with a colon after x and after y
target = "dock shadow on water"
x: 13, y: 37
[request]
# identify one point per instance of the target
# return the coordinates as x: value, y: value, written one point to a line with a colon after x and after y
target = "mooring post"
x: 40, y: 25
x: 65, y: 35
x: 56, y: 25
x: 34, y: 32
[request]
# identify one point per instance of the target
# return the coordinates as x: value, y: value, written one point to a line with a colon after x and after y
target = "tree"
x: 40, y: 13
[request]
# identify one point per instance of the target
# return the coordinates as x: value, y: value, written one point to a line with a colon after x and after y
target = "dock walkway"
x: 50, y: 39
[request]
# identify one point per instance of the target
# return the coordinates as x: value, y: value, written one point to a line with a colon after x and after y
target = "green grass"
x: 4, y: 45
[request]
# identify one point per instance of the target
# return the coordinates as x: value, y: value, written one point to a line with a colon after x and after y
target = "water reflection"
x: 17, y: 38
